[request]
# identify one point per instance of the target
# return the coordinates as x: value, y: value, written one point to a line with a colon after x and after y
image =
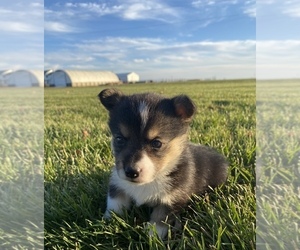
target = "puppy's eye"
x: 120, y: 140
x: 156, y: 143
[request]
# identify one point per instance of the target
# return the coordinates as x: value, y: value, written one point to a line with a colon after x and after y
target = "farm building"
x: 79, y: 78
x: 22, y: 78
x: 3, y: 77
x: 130, y: 77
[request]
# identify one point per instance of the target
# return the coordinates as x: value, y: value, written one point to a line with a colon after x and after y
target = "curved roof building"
x: 80, y: 78
x: 22, y: 78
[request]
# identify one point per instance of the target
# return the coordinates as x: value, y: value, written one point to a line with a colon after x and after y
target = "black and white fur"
x: 155, y: 164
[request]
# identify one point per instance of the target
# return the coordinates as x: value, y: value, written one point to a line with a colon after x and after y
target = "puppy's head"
x: 149, y: 132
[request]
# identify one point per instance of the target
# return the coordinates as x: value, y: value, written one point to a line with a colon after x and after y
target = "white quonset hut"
x: 130, y: 77
x: 22, y: 78
x: 79, y: 78
x: 4, y: 77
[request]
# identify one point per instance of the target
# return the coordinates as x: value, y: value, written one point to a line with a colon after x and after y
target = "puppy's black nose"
x: 131, y: 173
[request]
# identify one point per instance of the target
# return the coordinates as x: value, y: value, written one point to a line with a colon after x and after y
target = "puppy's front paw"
x: 160, y: 229
x: 107, y: 215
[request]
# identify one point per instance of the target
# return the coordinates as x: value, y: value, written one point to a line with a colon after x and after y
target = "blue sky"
x: 22, y: 34
x: 158, y: 39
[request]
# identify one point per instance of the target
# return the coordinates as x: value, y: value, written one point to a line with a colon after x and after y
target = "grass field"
x: 21, y: 168
x: 278, y: 164
x: 78, y: 161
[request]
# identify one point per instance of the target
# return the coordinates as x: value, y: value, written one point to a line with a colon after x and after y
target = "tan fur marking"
x: 172, y: 155
x: 124, y: 130
x: 152, y: 133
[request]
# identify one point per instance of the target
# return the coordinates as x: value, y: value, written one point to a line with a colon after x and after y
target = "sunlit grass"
x: 21, y: 168
x: 278, y: 156
x: 78, y: 161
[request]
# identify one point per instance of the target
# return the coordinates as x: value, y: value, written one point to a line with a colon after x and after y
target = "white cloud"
x: 19, y: 18
x: 278, y: 59
x: 17, y: 26
x: 125, y: 9
x: 69, y: 59
x: 265, y: 2
x: 251, y: 11
x: 290, y: 8
x: 202, y: 59
x: 138, y: 10
x: 205, y: 11
x: 292, y: 11
x: 250, y: 8
x: 201, y: 3
x: 23, y: 58
x: 92, y: 7
x: 22, y: 28
x: 5, y: 11
x: 58, y: 27
x: 217, y: 11
x: 37, y: 4
x: 136, y: 60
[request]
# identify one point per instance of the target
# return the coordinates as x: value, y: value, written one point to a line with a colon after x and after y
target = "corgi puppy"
x: 155, y: 164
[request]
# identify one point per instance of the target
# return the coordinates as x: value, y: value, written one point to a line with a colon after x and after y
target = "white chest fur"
x: 157, y: 191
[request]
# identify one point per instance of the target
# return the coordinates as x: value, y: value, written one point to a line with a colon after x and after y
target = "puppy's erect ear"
x: 110, y: 97
x: 184, y: 107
